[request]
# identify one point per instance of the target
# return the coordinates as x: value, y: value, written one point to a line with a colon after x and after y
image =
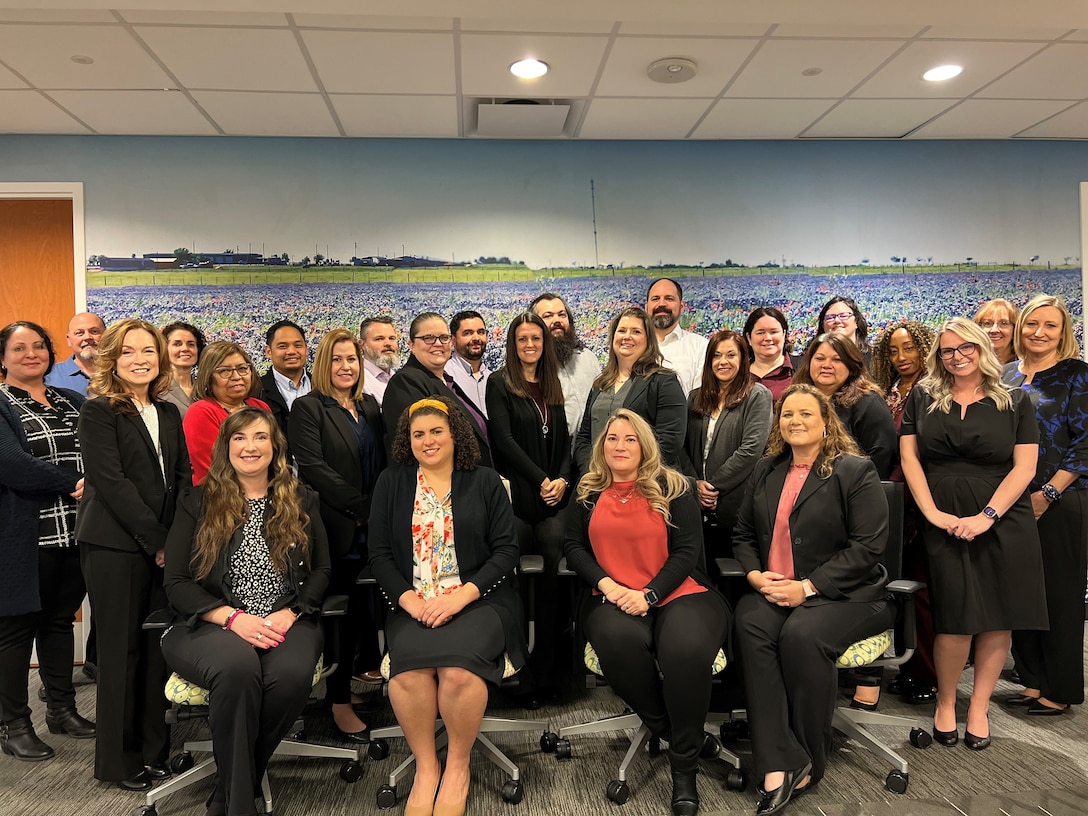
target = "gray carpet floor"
x: 1035, y: 765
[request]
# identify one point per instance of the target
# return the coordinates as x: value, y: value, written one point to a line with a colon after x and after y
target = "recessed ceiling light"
x: 82, y: 60
x: 942, y: 72
x: 812, y: 72
x: 529, y: 69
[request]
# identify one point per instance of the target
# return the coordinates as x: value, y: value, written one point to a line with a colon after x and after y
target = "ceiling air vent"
x: 522, y: 118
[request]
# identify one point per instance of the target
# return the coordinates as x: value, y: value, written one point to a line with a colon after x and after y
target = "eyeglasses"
x: 841, y: 317
x: 227, y: 372
x: 989, y: 324
x: 965, y: 350
x: 431, y: 339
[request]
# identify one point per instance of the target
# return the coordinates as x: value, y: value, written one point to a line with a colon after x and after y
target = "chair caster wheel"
x: 736, y: 780
x: 387, y: 797
x: 733, y: 730
x: 351, y: 771
x: 618, y: 792
x: 548, y: 742
x: 562, y: 748
x: 897, y: 782
x: 920, y: 738
x: 298, y: 736
x: 512, y: 791
x: 377, y: 749
x: 180, y: 763
x: 145, y: 810
x: 654, y: 746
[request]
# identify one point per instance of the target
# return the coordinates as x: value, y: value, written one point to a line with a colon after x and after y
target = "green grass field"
x: 478, y: 274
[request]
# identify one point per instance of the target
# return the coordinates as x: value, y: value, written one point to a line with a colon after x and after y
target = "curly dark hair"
x: 884, y: 374
x: 466, y: 450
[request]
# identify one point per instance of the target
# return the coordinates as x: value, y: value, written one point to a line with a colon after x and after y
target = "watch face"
x: 651, y: 597
x: 989, y: 512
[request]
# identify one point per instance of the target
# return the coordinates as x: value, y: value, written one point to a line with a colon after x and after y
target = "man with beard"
x: 381, y: 354
x: 578, y: 366
x: 75, y: 373
x: 466, y: 365
x: 682, y: 351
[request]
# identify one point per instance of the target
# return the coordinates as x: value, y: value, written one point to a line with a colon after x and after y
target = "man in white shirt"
x: 682, y: 351
x: 286, y: 380
x: 578, y: 366
x: 466, y: 365
x: 84, y: 332
x: 381, y: 354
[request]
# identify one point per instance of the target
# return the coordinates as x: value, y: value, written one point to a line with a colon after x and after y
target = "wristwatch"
x: 1050, y: 493
x: 810, y: 589
x: 652, y: 598
x: 991, y: 514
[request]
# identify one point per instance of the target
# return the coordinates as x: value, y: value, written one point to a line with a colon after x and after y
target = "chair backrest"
x: 893, y: 552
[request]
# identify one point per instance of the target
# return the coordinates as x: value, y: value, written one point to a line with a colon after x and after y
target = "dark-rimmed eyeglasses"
x: 431, y: 339
x: 841, y: 317
x: 227, y: 372
x: 964, y: 349
x: 989, y: 324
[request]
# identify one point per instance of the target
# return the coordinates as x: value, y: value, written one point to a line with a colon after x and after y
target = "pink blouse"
x: 780, y: 557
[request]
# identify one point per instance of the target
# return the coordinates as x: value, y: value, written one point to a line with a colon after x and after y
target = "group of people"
x: 154, y: 468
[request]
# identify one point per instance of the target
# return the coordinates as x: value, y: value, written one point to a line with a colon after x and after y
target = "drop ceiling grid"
x: 717, y: 61
x: 486, y: 59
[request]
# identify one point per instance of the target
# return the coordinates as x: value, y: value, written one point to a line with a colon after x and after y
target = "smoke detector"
x: 672, y: 70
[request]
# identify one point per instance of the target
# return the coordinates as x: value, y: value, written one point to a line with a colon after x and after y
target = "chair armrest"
x: 904, y: 587
x: 335, y: 606
x: 729, y: 567
x: 366, y: 577
x: 564, y: 569
x: 159, y: 619
x: 531, y: 565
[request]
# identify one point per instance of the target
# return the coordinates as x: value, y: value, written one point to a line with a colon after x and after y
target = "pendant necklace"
x: 543, y: 417
x: 624, y: 497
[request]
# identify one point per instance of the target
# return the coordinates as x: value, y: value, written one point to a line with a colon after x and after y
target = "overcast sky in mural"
x: 813, y: 203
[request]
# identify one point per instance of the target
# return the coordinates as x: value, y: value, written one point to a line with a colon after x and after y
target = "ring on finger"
x: 268, y: 623
x: 259, y: 636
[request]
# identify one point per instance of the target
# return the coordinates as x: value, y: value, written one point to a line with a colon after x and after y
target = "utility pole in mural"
x: 593, y: 206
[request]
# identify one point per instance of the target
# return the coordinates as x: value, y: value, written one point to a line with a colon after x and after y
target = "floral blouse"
x: 434, y: 558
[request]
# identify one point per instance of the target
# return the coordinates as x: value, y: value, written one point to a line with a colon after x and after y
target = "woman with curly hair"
x: 443, y: 550
x: 653, y: 616
x: 247, y: 569
x: 810, y: 536
x: 969, y: 448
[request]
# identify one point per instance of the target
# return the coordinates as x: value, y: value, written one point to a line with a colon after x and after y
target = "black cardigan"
x: 484, y: 538
x: 522, y: 453
x: 869, y: 421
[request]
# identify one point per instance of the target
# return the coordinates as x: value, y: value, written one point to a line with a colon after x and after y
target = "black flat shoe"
x: 685, y: 794
x: 920, y: 696
x: 948, y: 738
x: 362, y: 736
x: 858, y: 705
x: 158, y: 772
x: 67, y: 721
x: 774, y: 801
x: 137, y: 782
x: 1024, y: 700
x: 975, y: 743
x: 1041, y: 709
x: 17, y: 739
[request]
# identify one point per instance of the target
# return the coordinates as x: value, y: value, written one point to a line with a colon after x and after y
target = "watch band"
x: 1050, y: 493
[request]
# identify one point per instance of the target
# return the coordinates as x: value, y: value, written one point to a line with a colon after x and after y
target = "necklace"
x: 230, y: 410
x: 624, y: 497
x: 543, y: 416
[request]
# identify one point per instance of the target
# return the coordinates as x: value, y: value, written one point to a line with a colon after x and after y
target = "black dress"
x: 994, y: 582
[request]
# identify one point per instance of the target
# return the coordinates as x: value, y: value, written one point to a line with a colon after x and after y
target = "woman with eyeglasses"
x: 424, y: 375
x: 841, y: 315
x: 969, y: 448
x: 226, y: 382
x: 998, y: 318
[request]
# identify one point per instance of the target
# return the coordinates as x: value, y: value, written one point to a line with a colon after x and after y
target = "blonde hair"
x: 106, y: 383
x: 652, y: 472
x: 1067, y: 346
x: 992, y: 307
x: 938, y: 380
x: 322, y: 372
x: 837, y: 440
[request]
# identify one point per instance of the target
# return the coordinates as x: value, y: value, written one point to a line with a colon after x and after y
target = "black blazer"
x: 271, y: 395
x: 870, y: 422
x: 839, y: 527
x: 659, y: 400
x: 326, y: 451
x: 190, y: 598
x: 412, y: 382
x: 522, y: 453
x: 484, y: 538
x: 127, y: 503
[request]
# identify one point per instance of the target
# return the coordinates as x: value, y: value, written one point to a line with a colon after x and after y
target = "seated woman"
x: 443, y: 550
x: 247, y: 567
x: 811, y: 532
x: 656, y: 622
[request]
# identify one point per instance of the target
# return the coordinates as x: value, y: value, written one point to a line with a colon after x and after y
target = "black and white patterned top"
x: 51, y: 433
x: 252, y: 576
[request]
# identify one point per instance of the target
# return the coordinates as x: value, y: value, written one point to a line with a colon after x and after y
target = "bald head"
x: 84, y: 332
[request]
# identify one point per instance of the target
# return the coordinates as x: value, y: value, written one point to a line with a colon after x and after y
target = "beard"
x: 566, y: 344
x: 472, y: 353
x: 389, y: 360
x: 664, y: 320
x: 88, y: 354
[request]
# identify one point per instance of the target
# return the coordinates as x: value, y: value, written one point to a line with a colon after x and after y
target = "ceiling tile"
x: 231, y: 58
x: 642, y: 118
x: 775, y: 71
x: 988, y: 119
x: 973, y: 32
x: 982, y: 62
x: 204, y: 18
x: 625, y: 72
x: 57, y: 16
x: 1060, y: 72
x: 30, y: 112
x: 1070, y: 124
x: 760, y: 118
x: 268, y: 114
x: 136, y: 113
x: 848, y: 32
x: 373, y: 21
x: 557, y: 26
x: 687, y: 28
x: 9, y: 80
x: 486, y: 60
x: 388, y: 63
x: 412, y: 116
x: 43, y: 55
x: 877, y: 118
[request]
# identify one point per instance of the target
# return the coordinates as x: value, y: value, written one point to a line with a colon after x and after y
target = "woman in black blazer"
x: 527, y: 424
x: 810, y: 536
x: 135, y: 463
x: 443, y: 550
x: 336, y: 438
x: 634, y: 378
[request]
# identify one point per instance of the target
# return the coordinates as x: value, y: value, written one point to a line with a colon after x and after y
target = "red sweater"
x: 201, y: 425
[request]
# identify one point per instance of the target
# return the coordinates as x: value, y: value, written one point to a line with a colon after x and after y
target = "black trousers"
x: 552, y: 599
x: 788, y: 659
x: 354, y: 630
x: 660, y: 664
x: 255, y: 697
x: 1053, y: 661
x: 132, y: 732
x: 61, y: 589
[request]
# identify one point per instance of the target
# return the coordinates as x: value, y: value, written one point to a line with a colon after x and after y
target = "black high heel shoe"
x: 774, y: 801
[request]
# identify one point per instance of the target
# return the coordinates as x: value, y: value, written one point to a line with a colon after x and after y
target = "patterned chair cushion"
x: 593, y: 663
x: 508, y: 669
x: 865, y: 651
x: 180, y: 691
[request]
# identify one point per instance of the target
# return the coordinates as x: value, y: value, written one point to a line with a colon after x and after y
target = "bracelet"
x: 1050, y: 493
x: 230, y: 620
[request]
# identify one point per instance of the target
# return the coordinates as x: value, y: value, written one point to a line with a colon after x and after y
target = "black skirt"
x: 473, y: 640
